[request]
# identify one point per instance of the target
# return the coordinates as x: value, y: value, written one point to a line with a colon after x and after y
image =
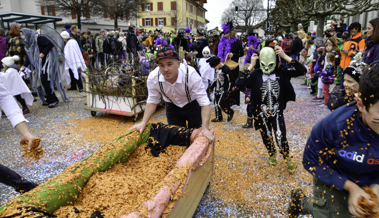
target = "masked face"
x: 206, y: 52
x: 267, y: 60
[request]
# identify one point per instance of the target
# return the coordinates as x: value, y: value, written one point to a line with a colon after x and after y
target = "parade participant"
x: 206, y: 71
x: 181, y: 41
x: 131, y: 44
x: 181, y: 88
x: 99, y: 46
x: 16, y: 45
x: 14, y: 114
x: 3, y: 45
x: 253, y: 46
x: 271, y: 89
x: 15, y: 84
x: 188, y: 36
x: 231, y: 48
x: 342, y: 156
x: 223, y: 84
x: 200, y: 43
x: 74, y: 63
x: 42, y: 58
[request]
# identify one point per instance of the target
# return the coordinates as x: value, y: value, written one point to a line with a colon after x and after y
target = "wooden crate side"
x: 197, y: 184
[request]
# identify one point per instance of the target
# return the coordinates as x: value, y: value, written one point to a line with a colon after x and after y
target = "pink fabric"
x: 194, y: 156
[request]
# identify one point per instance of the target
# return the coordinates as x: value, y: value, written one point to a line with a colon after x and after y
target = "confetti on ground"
x: 243, y: 183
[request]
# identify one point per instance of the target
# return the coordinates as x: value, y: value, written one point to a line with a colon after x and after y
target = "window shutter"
x: 151, y: 6
x: 87, y: 11
x: 151, y: 22
x: 173, y: 21
x: 160, y: 6
x: 42, y: 10
x: 143, y: 7
x: 53, y: 10
x: 156, y: 21
x: 73, y: 12
x: 143, y: 21
x: 105, y: 14
x: 187, y: 21
x: 111, y: 16
x: 164, y: 21
x: 173, y: 6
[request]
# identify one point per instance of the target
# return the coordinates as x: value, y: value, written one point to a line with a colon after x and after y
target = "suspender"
x: 186, y: 87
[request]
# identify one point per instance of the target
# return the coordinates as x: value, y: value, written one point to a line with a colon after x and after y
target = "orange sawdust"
x: 123, y: 188
x: 32, y: 153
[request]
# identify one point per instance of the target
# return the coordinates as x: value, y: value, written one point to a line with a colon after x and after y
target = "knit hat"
x: 9, y: 61
x: 214, y: 61
x: 67, y: 26
x: 355, y: 25
x: 313, y: 34
x: 65, y: 35
x: 353, y: 72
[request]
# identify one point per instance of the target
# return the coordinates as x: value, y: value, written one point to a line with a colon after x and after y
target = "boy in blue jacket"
x: 342, y: 154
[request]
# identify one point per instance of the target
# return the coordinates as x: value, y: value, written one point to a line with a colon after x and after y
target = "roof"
x: 27, y: 18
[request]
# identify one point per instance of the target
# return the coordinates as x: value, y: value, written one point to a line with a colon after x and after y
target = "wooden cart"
x: 124, y: 106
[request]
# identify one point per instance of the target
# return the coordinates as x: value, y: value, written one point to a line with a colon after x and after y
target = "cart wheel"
x: 93, y: 113
x: 135, y: 118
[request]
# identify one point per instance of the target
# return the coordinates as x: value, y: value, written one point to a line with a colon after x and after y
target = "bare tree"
x: 67, y: 8
x: 248, y: 13
x: 289, y: 13
x: 119, y: 8
x: 178, y: 16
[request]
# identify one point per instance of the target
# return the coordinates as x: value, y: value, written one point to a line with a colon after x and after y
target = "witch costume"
x: 230, y: 45
x: 271, y: 89
x: 223, y: 84
x: 47, y: 71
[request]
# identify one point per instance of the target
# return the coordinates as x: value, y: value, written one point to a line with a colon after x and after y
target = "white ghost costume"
x: 74, y: 60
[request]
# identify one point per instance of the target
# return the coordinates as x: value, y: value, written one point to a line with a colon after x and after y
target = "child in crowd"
x: 342, y: 155
x: 327, y: 75
x: 316, y: 75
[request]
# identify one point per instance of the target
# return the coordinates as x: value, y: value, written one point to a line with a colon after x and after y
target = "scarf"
x: 250, y: 52
x: 225, y: 46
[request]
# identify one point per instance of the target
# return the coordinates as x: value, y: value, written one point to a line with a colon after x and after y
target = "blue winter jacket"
x: 341, y: 148
x: 371, y: 53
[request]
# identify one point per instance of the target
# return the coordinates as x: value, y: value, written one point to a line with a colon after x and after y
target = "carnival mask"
x: 267, y: 59
x: 206, y: 52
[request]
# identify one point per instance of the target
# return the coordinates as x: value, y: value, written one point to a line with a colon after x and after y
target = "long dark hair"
x: 375, y: 33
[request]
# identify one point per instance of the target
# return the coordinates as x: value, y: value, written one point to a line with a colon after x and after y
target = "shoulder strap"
x: 161, y: 87
x: 186, y: 84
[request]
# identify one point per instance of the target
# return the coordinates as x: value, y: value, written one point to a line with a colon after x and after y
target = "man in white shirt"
x: 15, y: 116
x: 181, y: 88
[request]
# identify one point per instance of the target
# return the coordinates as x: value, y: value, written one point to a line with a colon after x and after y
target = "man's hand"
x: 206, y: 133
x: 230, y: 54
x: 41, y: 55
x: 247, y: 99
x: 30, y: 139
x: 140, y: 127
x: 375, y: 189
x: 355, y: 192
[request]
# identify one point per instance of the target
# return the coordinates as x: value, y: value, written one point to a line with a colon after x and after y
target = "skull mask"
x: 206, y: 52
x: 267, y: 60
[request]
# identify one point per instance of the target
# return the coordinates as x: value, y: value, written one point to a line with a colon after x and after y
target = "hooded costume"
x: 74, y: 63
x: 230, y: 45
x: 223, y: 84
x: 46, y: 69
x: 206, y: 71
x: 271, y: 89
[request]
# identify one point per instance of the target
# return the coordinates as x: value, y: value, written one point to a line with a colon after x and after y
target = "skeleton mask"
x: 267, y: 59
x: 206, y: 52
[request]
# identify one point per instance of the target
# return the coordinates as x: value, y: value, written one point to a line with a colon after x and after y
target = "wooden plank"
x: 197, y: 184
x: 88, y: 92
x: 122, y: 113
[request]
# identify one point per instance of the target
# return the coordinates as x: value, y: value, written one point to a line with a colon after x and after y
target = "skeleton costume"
x: 223, y: 84
x: 271, y: 89
x: 206, y: 71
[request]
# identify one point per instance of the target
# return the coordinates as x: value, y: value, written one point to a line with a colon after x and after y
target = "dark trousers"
x: 13, y: 179
x: 21, y: 100
x: 342, y: 79
x: 75, y: 83
x: 222, y: 103
x: 266, y: 125
x: 50, y: 95
x: 100, y: 58
x: 190, y: 113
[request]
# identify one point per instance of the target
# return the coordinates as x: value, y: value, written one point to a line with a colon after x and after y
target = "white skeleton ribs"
x: 270, y: 108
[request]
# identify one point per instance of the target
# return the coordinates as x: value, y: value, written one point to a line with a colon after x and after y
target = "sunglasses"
x: 165, y: 54
x: 356, y: 28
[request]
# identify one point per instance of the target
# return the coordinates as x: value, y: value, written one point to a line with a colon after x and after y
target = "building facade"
x: 170, y: 15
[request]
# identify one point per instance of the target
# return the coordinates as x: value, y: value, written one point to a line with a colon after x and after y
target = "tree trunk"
x: 78, y: 20
x: 320, y: 26
x: 115, y: 21
x: 293, y: 27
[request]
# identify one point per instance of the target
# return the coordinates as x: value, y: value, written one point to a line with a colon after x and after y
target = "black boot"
x: 218, y: 115
x: 249, y: 123
x: 230, y: 115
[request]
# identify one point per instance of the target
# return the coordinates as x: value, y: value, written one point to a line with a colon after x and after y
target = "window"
x: 160, y: 21
x: 160, y: 6
x: 147, y: 21
x: 191, y: 8
x: 147, y: 6
x: 173, y: 6
x: 173, y: 21
x: 187, y: 7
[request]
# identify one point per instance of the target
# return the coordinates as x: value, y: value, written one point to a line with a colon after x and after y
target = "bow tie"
x: 271, y: 77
